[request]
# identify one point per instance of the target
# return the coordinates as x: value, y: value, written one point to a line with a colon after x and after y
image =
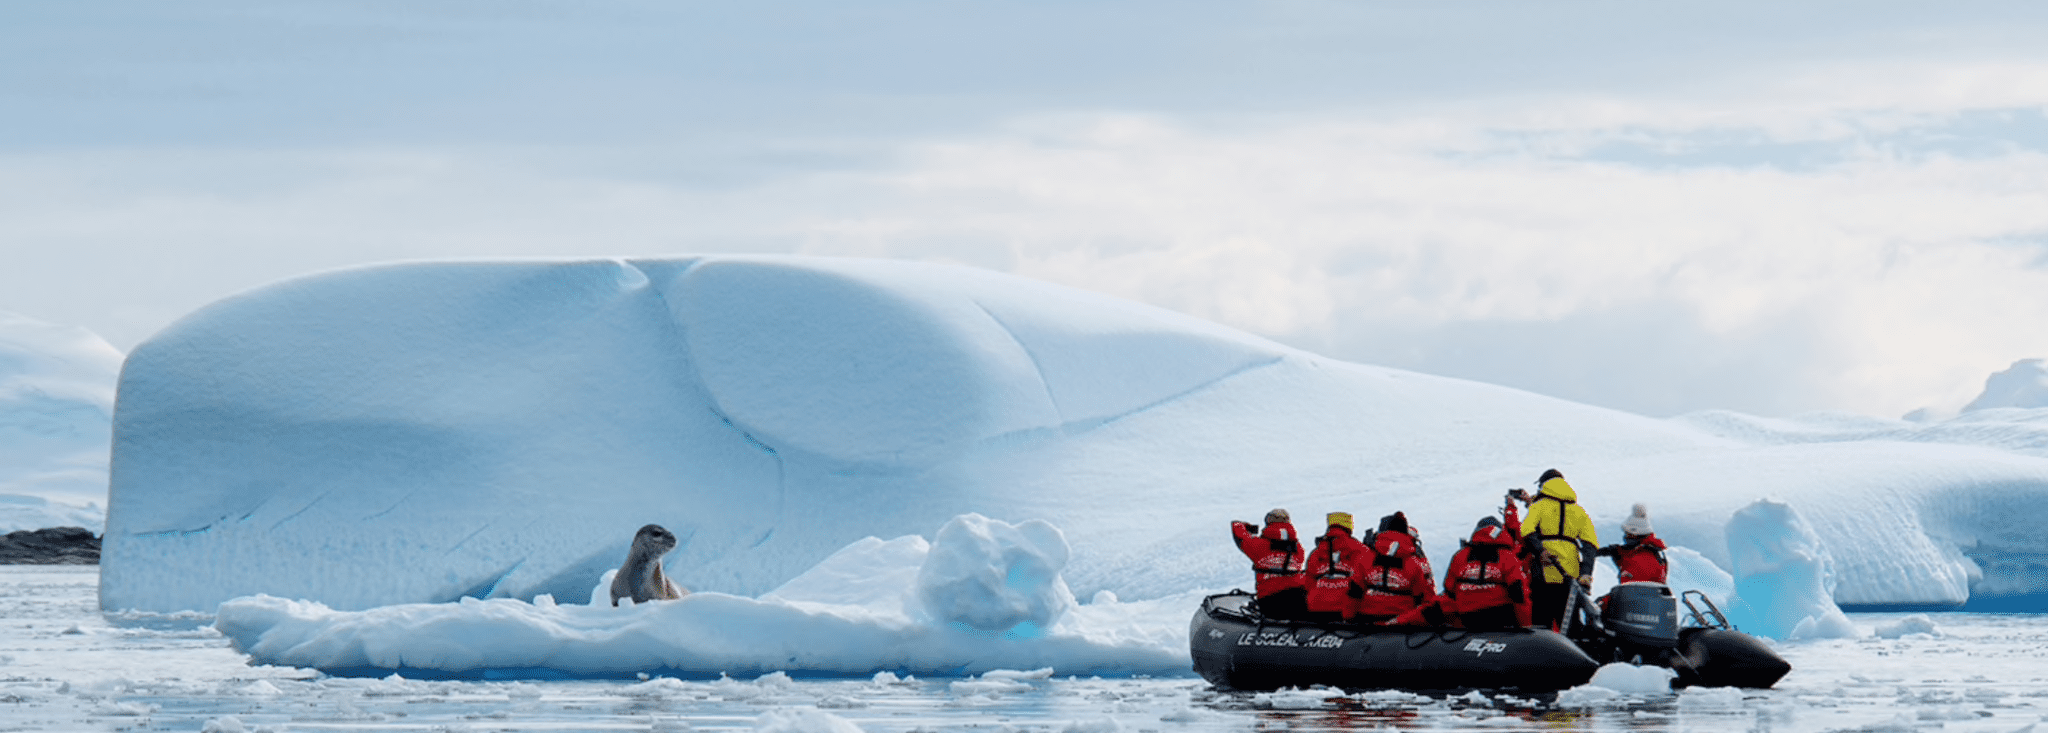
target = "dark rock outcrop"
x: 54, y: 546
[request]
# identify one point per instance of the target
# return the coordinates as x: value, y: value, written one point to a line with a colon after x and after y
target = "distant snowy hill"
x: 56, y: 406
x: 2024, y: 385
x: 422, y: 432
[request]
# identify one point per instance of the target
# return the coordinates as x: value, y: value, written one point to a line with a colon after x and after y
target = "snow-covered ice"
x: 982, y: 596
x: 424, y: 432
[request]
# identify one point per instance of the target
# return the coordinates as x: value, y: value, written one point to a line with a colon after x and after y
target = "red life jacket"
x: 1642, y: 561
x: 1487, y: 574
x: 1276, y: 554
x: 1331, y: 572
x: 1396, y: 580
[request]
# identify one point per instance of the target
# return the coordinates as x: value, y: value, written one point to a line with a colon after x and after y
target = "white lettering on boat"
x: 1256, y: 639
x: 1321, y: 641
x: 1483, y: 646
x: 1647, y: 618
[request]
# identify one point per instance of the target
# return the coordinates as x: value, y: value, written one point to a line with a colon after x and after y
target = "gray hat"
x: 1638, y: 521
x: 1277, y: 515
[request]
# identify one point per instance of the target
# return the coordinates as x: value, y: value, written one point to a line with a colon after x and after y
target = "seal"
x: 641, y: 578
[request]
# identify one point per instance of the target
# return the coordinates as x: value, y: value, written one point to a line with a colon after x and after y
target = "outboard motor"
x: 1642, y: 618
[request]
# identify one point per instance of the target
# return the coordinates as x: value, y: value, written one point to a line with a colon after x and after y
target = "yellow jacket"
x: 1556, y: 518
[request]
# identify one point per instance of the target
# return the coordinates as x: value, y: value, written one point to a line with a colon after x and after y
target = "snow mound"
x: 56, y: 407
x: 846, y: 626
x: 995, y: 576
x: 2024, y: 384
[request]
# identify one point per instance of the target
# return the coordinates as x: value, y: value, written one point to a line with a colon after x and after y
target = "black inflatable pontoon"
x: 1233, y: 646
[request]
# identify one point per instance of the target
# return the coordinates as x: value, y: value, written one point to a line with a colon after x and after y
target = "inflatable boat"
x: 1235, y: 647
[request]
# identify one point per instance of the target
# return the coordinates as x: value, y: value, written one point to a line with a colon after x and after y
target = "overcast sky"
x: 1660, y: 207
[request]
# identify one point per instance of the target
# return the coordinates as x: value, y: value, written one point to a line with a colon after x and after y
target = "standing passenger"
x: 1277, y: 558
x: 1561, y: 537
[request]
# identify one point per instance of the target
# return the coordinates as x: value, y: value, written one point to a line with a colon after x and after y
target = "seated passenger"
x: 1396, y: 580
x: 1277, y: 559
x: 1486, y: 585
x: 1640, y: 556
x: 1331, y: 571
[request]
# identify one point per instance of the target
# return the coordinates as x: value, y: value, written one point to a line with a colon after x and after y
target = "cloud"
x: 1829, y: 243
x: 1859, y: 236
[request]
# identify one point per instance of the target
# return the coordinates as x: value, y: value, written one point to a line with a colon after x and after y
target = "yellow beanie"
x: 1340, y: 519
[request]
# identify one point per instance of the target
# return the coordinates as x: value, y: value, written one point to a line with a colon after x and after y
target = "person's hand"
x: 1586, y: 581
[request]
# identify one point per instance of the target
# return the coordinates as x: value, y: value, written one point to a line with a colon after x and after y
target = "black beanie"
x: 1485, y: 522
x: 1548, y: 475
x: 1396, y: 522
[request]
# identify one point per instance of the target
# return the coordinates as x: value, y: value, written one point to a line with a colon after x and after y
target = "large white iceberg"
x: 424, y: 432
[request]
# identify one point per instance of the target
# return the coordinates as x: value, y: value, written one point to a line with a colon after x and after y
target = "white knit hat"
x: 1638, y: 521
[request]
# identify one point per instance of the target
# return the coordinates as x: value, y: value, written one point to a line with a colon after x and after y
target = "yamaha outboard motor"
x: 1642, y: 618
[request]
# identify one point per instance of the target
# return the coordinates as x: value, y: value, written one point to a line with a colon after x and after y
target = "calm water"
x: 63, y: 666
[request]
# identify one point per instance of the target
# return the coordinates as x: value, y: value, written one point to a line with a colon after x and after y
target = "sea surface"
x: 64, y: 666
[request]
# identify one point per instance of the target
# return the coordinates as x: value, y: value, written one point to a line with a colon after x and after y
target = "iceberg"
x: 427, y: 432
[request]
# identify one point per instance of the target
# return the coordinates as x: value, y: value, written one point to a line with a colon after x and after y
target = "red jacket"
x: 1395, y: 580
x: 1276, y: 554
x: 1486, y: 573
x: 1331, y: 570
x: 1640, y: 561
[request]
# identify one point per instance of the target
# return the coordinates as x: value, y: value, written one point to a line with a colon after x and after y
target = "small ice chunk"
x: 1293, y: 698
x: 803, y: 720
x: 1587, y: 696
x: 1634, y: 679
x: 1710, y: 698
x: 223, y: 724
x: 1917, y: 623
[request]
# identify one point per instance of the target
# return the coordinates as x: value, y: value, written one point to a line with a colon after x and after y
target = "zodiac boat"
x: 1235, y: 647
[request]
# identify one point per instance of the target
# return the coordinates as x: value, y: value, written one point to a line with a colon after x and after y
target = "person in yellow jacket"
x: 1557, y: 528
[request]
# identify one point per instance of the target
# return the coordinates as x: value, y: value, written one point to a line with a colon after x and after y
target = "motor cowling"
x: 1643, y: 614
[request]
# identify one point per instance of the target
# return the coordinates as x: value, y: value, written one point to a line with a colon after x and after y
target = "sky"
x: 1657, y: 208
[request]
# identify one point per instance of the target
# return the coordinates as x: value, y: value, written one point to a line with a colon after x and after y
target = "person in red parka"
x: 1640, y: 556
x: 1396, y: 580
x: 1487, y: 584
x: 1331, y: 572
x: 1277, y: 559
